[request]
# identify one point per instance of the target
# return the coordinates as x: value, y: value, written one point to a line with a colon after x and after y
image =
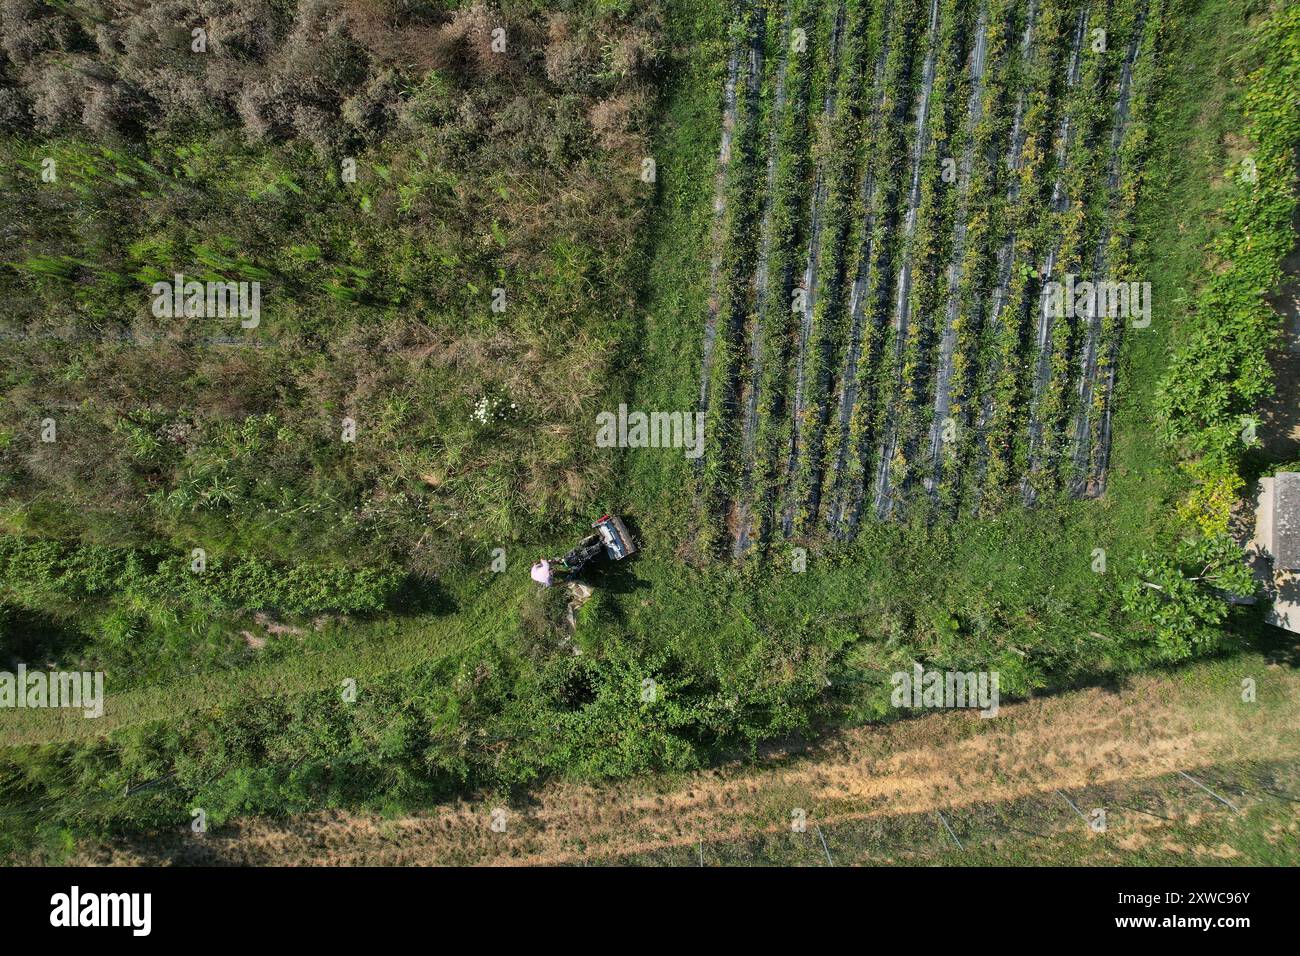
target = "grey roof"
x: 1286, y: 521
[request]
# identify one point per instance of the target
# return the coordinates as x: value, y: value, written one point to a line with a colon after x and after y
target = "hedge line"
x: 1220, y: 372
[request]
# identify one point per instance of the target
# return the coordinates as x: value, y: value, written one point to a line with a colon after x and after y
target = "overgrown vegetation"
x: 137, y: 158
x: 1219, y: 375
x: 148, y: 615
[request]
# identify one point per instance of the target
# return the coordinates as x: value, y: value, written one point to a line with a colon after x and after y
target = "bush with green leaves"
x: 1184, y: 599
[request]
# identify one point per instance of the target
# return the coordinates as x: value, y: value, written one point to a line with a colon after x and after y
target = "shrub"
x: 1183, y: 599
x: 34, y: 570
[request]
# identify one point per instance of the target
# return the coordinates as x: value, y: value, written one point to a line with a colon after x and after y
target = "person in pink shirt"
x: 611, y: 539
x: 541, y: 572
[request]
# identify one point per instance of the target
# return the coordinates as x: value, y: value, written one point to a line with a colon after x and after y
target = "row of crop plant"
x: 1078, y: 362
x: 989, y: 167
x: 989, y: 384
x: 1036, y: 372
x: 903, y: 179
x: 934, y: 435
x: 785, y: 42
x: 843, y: 217
x: 798, y: 195
x: 806, y: 297
x: 1129, y: 145
x: 867, y: 386
x: 732, y: 299
x: 806, y: 77
x: 984, y: 67
x: 1062, y: 233
x: 873, y: 177
x: 1050, y: 71
x: 901, y: 317
x: 882, y: 189
x: 934, y: 243
x: 1101, y: 106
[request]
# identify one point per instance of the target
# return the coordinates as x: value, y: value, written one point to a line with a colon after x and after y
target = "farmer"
x: 541, y: 572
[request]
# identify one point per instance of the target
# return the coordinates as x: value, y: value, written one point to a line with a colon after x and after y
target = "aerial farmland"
x: 649, y: 432
x: 902, y: 184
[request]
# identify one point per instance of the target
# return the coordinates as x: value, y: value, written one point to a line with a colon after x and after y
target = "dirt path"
x: 1087, y: 738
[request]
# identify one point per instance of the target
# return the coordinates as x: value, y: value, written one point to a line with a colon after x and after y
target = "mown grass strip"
x: 376, y: 648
